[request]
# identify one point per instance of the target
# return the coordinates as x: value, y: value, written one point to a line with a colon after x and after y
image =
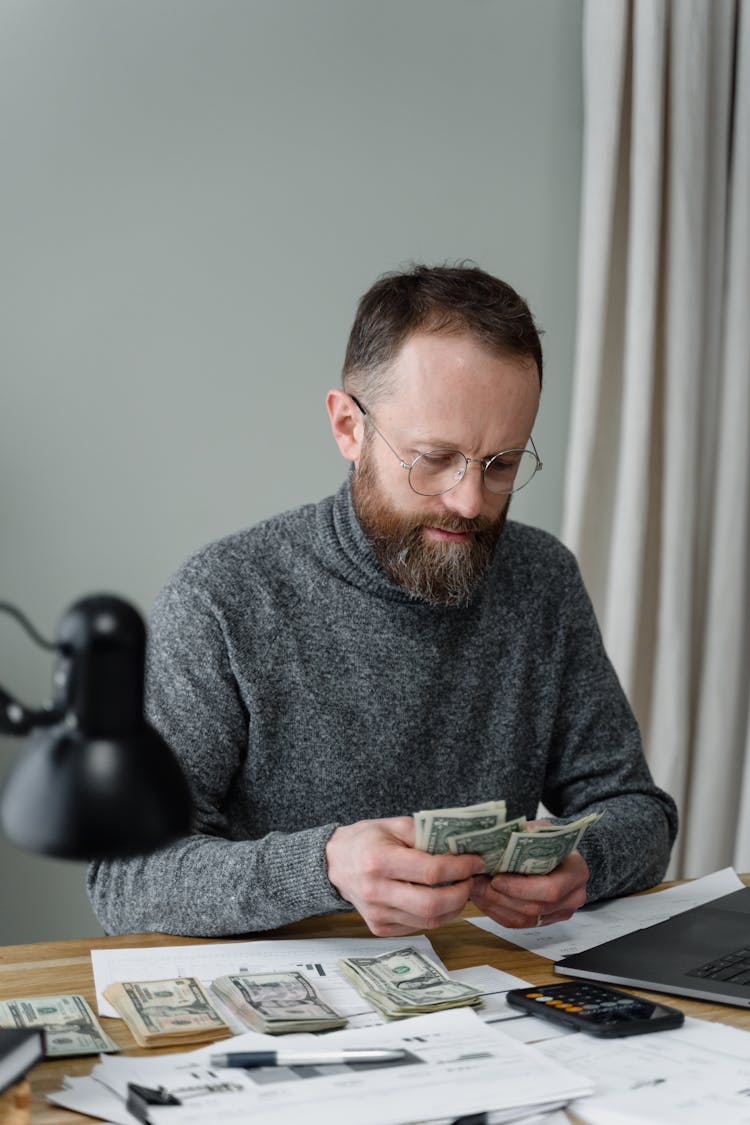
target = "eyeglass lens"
x: 440, y: 470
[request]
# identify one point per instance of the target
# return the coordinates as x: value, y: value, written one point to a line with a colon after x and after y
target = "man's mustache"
x: 457, y: 523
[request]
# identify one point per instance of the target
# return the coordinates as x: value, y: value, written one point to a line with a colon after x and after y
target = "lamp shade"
x: 101, y: 783
x: 86, y: 798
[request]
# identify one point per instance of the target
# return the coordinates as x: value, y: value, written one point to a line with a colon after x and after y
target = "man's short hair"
x: 460, y: 298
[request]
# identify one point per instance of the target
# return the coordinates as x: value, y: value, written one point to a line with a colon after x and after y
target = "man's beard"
x: 434, y: 571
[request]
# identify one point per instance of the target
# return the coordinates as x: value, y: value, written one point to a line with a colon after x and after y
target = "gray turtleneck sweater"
x: 301, y: 689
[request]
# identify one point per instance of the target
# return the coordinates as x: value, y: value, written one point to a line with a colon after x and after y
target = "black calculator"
x: 595, y: 1008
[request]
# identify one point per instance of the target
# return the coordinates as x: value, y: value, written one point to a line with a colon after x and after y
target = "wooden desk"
x: 65, y: 966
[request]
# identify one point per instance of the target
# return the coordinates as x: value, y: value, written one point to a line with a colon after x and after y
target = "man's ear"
x: 347, y: 423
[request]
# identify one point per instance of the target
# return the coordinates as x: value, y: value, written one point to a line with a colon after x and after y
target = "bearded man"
x: 398, y: 646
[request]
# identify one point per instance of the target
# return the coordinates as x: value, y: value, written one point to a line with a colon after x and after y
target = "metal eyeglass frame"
x: 483, y: 461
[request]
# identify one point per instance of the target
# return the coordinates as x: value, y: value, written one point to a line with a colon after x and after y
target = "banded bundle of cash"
x: 167, y: 1013
x: 505, y: 845
x: 70, y: 1027
x: 404, y: 983
x: 276, y: 1003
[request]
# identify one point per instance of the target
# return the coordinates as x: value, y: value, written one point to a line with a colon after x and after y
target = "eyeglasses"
x: 439, y: 470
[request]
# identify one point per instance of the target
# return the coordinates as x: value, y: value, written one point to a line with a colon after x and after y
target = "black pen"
x: 248, y: 1059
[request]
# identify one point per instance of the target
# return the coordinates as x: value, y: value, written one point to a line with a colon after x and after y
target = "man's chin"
x: 442, y: 563
x: 446, y: 573
x: 438, y: 569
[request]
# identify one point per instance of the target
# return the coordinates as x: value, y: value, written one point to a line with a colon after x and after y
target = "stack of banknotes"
x: 276, y: 1003
x: 167, y: 1013
x: 405, y: 983
x: 505, y: 845
x: 70, y: 1027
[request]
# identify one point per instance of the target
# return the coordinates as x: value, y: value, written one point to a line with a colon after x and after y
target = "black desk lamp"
x: 95, y: 780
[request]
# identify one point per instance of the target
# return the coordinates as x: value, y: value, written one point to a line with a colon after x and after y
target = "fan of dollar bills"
x: 276, y: 1003
x: 404, y: 983
x: 505, y: 845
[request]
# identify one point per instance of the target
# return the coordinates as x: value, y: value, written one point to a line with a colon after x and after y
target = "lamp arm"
x: 15, y: 718
x: 23, y: 621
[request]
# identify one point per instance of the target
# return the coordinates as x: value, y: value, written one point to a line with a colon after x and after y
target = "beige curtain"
x: 657, y: 504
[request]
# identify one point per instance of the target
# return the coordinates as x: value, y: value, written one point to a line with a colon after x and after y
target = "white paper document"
x: 494, y: 984
x: 696, y: 1074
x: 672, y: 1103
x: 86, y: 1095
x: 607, y: 920
x: 315, y: 958
x: 455, y: 1065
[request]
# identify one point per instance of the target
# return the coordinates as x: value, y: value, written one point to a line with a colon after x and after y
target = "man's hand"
x: 374, y: 865
x: 520, y: 901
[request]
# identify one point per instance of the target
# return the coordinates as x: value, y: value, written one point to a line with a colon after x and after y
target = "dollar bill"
x: 490, y: 843
x: 542, y: 850
x: 433, y: 827
x: 70, y: 1026
x: 505, y: 845
x: 276, y: 1003
x: 167, y: 1013
x: 404, y: 983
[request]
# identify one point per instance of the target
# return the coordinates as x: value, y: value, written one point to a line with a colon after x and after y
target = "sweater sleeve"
x: 597, y: 764
x: 208, y: 883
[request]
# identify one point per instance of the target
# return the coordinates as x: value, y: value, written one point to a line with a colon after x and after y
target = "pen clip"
x: 141, y: 1098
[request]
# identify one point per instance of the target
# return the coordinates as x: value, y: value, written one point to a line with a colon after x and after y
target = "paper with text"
x: 607, y: 920
x: 697, y: 1073
x: 455, y: 1065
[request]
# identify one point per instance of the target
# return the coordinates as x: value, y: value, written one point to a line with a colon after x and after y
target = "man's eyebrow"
x: 434, y: 443
x: 424, y: 445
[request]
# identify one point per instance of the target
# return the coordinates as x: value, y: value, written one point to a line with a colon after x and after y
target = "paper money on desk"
x: 276, y: 1003
x: 70, y: 1027
x: 167, y: 1013
x: 315, y: 957
x: 403, y: 983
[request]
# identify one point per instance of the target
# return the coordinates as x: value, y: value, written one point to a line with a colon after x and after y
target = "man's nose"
x: 467, y: 498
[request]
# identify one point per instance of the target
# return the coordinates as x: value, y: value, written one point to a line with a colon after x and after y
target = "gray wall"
x: 194, y: 193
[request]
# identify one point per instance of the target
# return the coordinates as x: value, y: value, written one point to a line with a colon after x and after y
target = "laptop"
x: 703, y: 952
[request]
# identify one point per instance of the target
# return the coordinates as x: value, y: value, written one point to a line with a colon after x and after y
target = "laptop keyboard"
x: 734, y: 967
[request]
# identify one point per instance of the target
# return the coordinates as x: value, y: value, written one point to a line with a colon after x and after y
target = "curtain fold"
x: 657, y: 493
x: 722, y: 711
